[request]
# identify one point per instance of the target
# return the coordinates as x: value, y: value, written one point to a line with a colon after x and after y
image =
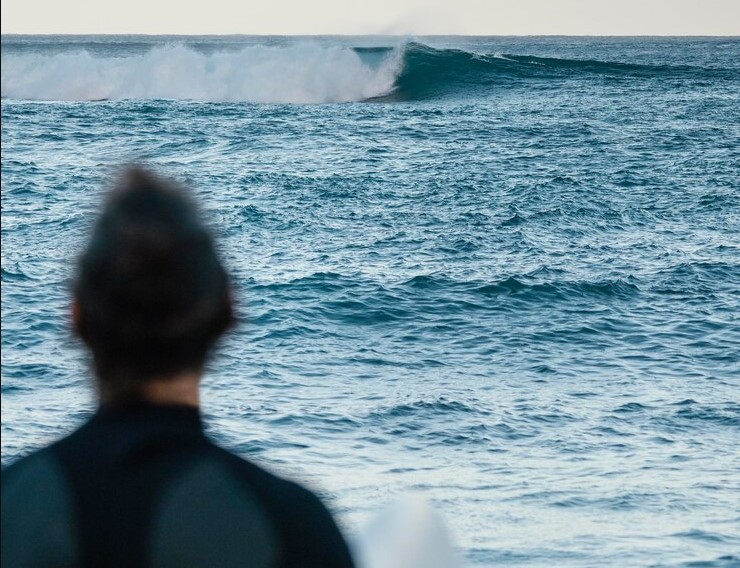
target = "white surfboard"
x: 406, y: 534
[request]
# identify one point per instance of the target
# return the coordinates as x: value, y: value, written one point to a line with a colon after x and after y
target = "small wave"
x: 726, y: 561
x: 727, y: 414
x: 513, y: 285
x: 314, y: 281
x: 623, y: 502
x: 690, y: 415
x: 317, y: 420
x: 15, y: 274
x: 706, y: 536
x: 440, y: 405
x: 631, y: 407
x: 530, y: 284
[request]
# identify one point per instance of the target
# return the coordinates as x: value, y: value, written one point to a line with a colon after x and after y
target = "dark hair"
x: 152, y: 296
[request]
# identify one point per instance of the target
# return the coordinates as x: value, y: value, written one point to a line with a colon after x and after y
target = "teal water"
x: 503, y: 272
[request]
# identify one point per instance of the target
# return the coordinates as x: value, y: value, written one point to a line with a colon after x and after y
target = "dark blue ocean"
x: 502, y: 272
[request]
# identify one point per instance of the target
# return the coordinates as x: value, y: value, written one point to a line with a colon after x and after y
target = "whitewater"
x: 502, y: 273
x: 304, y: 73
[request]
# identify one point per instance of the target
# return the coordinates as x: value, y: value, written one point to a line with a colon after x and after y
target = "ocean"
x: 502, y: 272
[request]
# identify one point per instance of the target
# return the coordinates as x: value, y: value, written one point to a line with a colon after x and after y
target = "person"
x: 140, y: 484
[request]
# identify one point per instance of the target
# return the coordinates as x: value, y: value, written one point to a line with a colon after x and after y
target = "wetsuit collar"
x: 178, y: 415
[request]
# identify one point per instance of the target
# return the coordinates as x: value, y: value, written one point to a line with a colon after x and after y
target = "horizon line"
x: 238, y: 34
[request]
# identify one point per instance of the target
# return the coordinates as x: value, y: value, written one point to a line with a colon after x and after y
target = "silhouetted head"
x: 151, y: 296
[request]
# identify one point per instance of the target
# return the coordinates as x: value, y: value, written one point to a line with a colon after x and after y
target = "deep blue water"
x: 504, y: 272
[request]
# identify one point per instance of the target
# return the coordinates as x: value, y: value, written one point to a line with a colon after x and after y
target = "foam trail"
x: 299, y: 74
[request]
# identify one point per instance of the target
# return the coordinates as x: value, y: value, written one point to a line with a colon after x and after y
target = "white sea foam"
x: 298, y: 74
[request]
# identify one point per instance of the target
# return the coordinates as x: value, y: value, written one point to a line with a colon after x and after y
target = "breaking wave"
x: 299, y: 74
x: 303, y: 73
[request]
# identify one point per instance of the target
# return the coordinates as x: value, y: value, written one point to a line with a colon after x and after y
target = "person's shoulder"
x: 30, y: 471
x: 311, y: 534
x: 37, y: 507
x: 36, y: 479
x: 276, y: 491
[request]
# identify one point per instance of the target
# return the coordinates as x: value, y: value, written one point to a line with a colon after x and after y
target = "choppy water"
x: 509, y: 278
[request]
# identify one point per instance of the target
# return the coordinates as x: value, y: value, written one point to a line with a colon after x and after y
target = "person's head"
x: 151, y: 296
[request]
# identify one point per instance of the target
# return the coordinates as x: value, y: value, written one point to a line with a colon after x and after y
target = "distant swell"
x: 304, y: 73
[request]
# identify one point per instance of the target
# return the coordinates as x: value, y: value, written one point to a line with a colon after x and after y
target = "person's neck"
x: 182, y: 389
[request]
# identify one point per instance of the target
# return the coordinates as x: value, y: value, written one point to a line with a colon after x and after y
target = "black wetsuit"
x: 141, y: 485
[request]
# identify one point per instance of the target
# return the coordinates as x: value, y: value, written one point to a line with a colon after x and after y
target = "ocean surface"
x: 502, y: 272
